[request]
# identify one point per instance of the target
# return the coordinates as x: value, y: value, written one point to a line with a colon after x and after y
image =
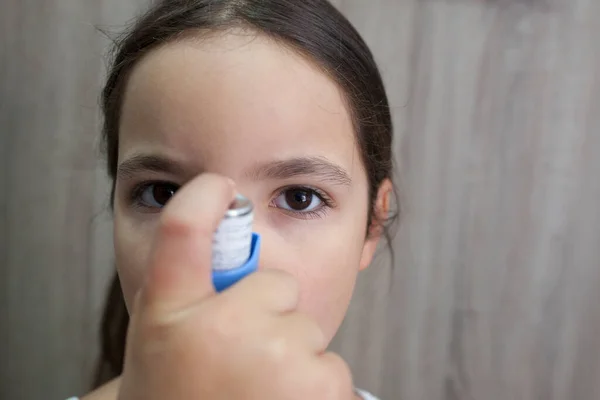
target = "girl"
x: 279, y: 100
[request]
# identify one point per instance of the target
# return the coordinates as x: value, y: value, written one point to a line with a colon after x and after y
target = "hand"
x: 248, y: 342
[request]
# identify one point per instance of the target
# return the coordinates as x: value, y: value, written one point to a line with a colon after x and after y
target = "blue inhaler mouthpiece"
x: 222, y: 279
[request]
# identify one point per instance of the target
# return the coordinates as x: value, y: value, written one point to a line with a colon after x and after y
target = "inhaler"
x: 236, y: 248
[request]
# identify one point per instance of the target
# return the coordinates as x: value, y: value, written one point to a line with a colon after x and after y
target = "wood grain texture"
x: 496, y: 288
x: 496, y: 284
x: 50, y: 78
x: 56, y: 243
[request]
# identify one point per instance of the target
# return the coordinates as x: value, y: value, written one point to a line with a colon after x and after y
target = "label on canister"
x: 232, y: 242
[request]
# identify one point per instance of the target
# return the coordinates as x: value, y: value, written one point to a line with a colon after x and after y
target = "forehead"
x: 231, y: 91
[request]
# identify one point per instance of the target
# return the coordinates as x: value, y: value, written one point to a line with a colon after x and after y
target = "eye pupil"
x: 298, y: 199
x: 163, y: 193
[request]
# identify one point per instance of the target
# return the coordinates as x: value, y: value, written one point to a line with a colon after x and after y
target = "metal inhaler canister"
x: 233, y: 238
x: 235, y: 247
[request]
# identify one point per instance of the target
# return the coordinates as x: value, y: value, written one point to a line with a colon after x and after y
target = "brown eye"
x: 298, y: 200
x: 157, y: 195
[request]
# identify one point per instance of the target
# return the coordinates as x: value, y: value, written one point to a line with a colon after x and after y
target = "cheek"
x: 132, y: 251
x: 326, y: 264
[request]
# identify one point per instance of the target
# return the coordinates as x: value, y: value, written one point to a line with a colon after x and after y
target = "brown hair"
x: 315, y: 29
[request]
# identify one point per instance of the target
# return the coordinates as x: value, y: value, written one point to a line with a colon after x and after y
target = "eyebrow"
x: 318, y: 167
x: 147, y: 162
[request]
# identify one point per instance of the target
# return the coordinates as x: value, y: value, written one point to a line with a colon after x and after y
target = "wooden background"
x: 496, y: 286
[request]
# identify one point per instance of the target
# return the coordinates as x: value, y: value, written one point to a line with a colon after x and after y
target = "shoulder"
x: 365, y: 395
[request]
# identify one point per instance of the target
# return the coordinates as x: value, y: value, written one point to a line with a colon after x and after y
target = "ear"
x: 375, y: 230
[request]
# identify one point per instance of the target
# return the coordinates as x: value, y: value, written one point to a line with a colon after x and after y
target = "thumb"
x: 179, y: 274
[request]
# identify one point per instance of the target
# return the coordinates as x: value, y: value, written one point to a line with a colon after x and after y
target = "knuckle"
x: 336, y: 381
x: 278, y: 346
x: 279, y: 352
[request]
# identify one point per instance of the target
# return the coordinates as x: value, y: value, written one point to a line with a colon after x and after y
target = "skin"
x: 244, y: 107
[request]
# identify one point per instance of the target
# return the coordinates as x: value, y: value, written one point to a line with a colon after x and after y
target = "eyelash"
x: 135, y: 196
x: 320, y: 212
x: 138, y: 190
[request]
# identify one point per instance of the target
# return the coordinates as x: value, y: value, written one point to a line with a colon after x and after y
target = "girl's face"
x: 250, y: 109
